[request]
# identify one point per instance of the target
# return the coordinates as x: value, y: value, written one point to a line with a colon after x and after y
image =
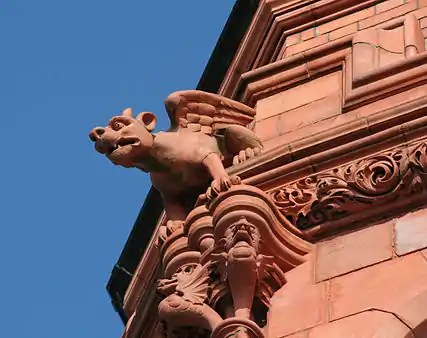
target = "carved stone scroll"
x: 346, y: 191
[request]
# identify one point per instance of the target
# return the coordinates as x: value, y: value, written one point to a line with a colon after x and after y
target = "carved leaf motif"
x: 270, y: 278
x: 193, y: 285
x: 418, y: 157
x: 296, y: 199
x: 342, y: 191
x: 375, y: 176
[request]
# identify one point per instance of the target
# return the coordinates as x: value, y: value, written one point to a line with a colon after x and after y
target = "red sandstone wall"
x: 367, y: 283
x: 371, y: 282
x: 310, y: 104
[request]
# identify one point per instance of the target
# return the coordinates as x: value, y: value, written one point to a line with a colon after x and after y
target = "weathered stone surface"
x: 411, y: 232
x: 381, y: 286
x: 353, y: 251
x: 299, y: 96
x: 298, y: 308
x: 363, y: 325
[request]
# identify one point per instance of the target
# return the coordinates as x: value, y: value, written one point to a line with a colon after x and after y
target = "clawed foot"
x: 172, y: 226
x: 169, y: 229
x: 246, y: 154
x: 221, y: 184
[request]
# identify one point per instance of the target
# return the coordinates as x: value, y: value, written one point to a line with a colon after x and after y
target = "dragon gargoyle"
x: 207, y: 133
x: 186, y: 293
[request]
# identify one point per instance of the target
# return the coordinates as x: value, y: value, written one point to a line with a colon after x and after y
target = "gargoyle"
x: 207, y: 132
x: 186, y: 293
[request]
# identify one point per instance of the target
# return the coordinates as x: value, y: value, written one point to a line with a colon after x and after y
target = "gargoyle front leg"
x: 221, y: 180
x: 175, y: 213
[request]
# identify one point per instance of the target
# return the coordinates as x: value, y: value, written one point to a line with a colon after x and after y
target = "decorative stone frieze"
x: 345, y: 191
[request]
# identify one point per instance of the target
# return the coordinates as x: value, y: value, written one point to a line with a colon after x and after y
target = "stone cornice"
x: 271, y: 78
x: 274, y: 20
x: 357, y: 138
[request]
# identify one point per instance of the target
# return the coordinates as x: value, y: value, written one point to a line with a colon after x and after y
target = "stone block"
x: 388, y: 15
x: 298, y: 308
x: 382, y: 286
x: 299, y: 96
x: 363, y: 325
x: 346, y: 20
x: 293, y: 39
x: 300, y: 47
x: 411, y: 232
x: 421, y: 12
x: 310, y: 113
x: 353, y: 251
x: 414, y: 311
x: 307, y: 34
x: 387, y: 5
x: 267, y: 128
x: 347, y: 30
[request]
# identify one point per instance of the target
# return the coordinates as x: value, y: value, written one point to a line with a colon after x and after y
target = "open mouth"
x: 242, y: 236
x: 121, y: 143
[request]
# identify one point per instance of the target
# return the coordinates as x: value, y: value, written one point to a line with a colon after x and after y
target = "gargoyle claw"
x: 172, y: 226
x: 221, y: 184
x: 246, y: 154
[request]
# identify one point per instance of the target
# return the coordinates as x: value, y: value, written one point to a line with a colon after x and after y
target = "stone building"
x: 336, y: 200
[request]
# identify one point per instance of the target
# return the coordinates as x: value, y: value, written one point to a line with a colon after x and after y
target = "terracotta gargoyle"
x: 207, y: 132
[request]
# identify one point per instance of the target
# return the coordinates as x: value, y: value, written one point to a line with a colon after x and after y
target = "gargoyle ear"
x: 148, y: 119
x: 127, y: 112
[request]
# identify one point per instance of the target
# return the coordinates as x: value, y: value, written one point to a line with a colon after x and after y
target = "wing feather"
x: 204, y: 112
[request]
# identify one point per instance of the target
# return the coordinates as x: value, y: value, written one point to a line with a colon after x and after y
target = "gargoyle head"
x: 125, y: 140
x: 242, y: 231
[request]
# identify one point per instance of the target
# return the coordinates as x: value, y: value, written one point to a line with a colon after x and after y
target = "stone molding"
x: 359, y: 138
x: 274, y: 20
x: 271, y: 78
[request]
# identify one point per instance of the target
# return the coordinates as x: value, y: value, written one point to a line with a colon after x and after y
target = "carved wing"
x: 204, y: 112
x: 193, y: 286
x: 270, y: 278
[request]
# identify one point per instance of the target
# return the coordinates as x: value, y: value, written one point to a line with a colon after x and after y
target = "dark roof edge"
x: 229, y: 41
x: 212, y: 77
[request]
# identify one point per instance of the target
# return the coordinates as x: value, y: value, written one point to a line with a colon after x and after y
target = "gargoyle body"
x: 186, y: 293
x: 206, y: 131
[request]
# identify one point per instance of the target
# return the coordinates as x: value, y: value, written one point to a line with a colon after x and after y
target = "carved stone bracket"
x: 226, y: 263
x: 350, y: 191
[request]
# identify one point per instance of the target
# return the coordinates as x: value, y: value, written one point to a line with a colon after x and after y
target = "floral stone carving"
x: 346, y: 190
x: 207, y: 133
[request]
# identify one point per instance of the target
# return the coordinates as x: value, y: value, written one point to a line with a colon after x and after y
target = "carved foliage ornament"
x: 343, y: 191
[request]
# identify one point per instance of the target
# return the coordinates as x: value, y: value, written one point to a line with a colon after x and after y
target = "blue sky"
x: 66, y: 212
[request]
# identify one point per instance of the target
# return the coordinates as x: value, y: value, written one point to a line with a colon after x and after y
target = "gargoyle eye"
x: 118, y: 125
